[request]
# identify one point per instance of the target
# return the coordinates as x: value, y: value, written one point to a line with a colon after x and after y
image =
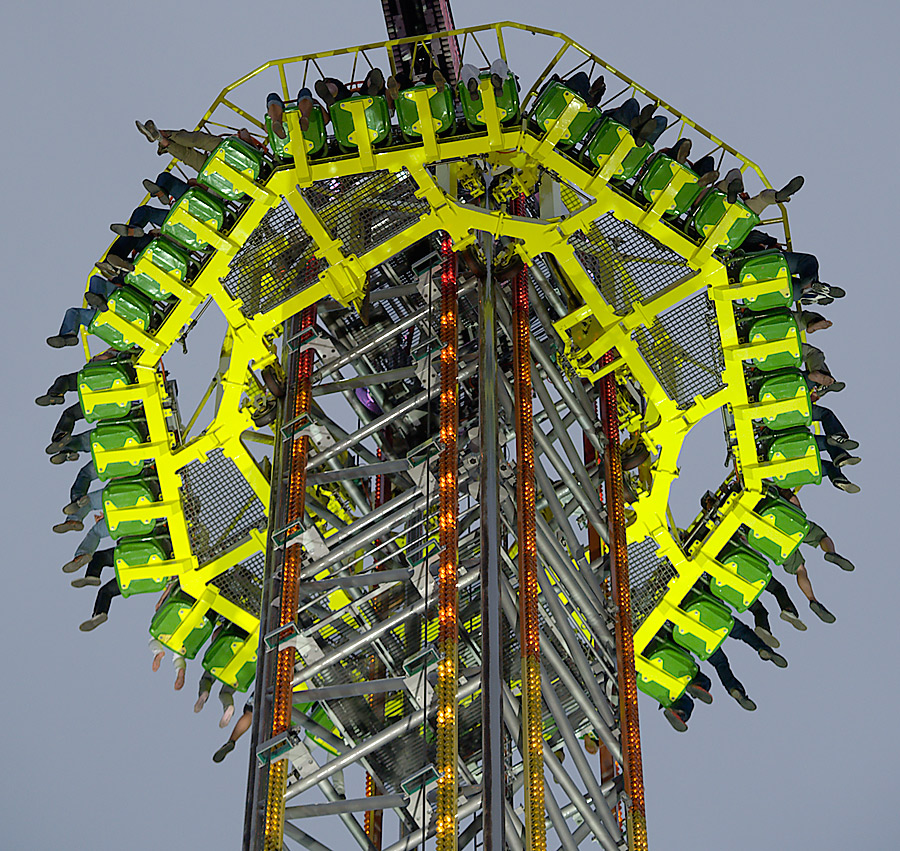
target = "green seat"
x: 552, y: 102
x: 442, y: 113
x: 712, y: 210
x: 673, y: 661
x: 97, y: 377
x: 238, y: 155
x: 767, y: 266
x: 473, y: 109
x: 771, y: 327
x: 750, y: 566
x: 219, y: 655
x: 788, y: 518
x: 119, y: 434
x: 711, y: 614
x: 604, y: 142
x: 128, y: 493
x: 378, y: 121
x: 659, y: 174
x: 790, y: 445
x: 139, y: 552
x: 163, y: 255
x: 127, y: 303
x: 169, y: 617
x: 314, y: 138
x: 194, y: 204
x: 779, y: 386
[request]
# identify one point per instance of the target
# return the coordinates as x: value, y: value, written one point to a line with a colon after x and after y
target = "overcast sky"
x: 99, y: 753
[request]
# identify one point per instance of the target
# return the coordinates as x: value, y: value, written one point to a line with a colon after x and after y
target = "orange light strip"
x: 448, y: 595
x: 282, y: 698
x: 618, y: 546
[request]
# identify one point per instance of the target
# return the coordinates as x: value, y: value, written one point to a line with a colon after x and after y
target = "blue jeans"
x: 80, y: 442
x: 86, y: 475
x: 805, y: 267
x: 146, y: 215
x: 76, y: 317
x: 628, y: 111
x: 723, y: 669
x: 830, y: 423
x: 173, y: 186
x: 92, y: 539
x: 94, y: 503
x: 742, y: 632
x: 579, y: 83
x: 124, y: 245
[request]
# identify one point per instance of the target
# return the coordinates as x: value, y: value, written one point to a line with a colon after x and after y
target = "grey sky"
x: 100, y: 753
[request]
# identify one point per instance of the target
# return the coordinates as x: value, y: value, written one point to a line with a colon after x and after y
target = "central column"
x: 494, y: 795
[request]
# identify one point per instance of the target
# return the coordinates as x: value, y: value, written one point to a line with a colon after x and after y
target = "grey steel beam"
x: 347, y: 805
x: 359, y: 472
x: 304, y: 839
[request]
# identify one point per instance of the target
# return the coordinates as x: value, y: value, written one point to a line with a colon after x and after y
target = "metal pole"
x: 618, y: 550
x: 489, y: 498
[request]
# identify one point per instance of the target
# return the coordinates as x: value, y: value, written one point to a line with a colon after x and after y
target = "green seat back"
x: 240, y: 156
x: 219, y: 655
x: 169, y: 617
x: 604, y: 142
x: 138, y: 552
x: 657, y: 177
x: 442, y: 113
x: 119, y: 434
x: 378, y: 121
x: 552, y: 103
x: 128, y: 493
x: 787, y: 384
x: 201, y: 206
x: 712, y: 210
x: 314, y: 138
x: 767, y: 266
x: 796, y: 444
x: 95, y: 377
x: 676, y: 663
x: 711, y: 614
x: 507, y: 103
x: 166, y: 256
x: 769, y: 327
x: 788, y: 518
x: 130, y: 305
x: 750, y: 566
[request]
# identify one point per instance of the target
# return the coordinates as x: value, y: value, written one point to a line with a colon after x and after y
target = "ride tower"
x: 471, y: 324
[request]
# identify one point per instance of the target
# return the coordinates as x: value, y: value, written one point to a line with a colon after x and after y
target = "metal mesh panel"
x: 243, y: 583
x: 627, y: 266
x: 648, y: 576
x: 363, y: 211
x: 274, y: 264
x: 684, y: 349
x: 219, y: 505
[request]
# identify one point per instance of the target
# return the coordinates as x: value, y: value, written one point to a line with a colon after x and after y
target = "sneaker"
x: 768, y: 655
x: 223, y: 751
x: 681, y: 150
x: 77, y: 563
x: 764, y: 633
x: 62, y: 457
x: 119, y: 263
x: 472, y: 86
x: 742, y: 698
x: 834, y: 387
x: 596, y: 91
x: 708, y: 179
x: 70, y: 525
x: 643, y: 117
x: 60, y: 341
x: 699, y: 693
x: 57, y: 444
x: 839, y: 440
x: 156, y: 191
x: 94, y: 622
x: 822, y: 613
x: 148, y: 128
x: 201, y: 701
x: 393, y: 88
x: 791, y: 187
x: 126, y: 230
x: 106, y: 269
x: 277, y: 124
x: 82, y: 581
x: 827, y: 289
x: 816, y: 298
x: 374, y: 82
x: 226, y: 716
x: 840, y: 482
x: 793, y: 618
x: 845, y: 459
x: 734, y: 189
x: 328, y: 93
x: 497, y: 83
x: 49, y: 399
x: 439, y: 80
x: 840, y: 561
x: 96, y: 301
x: 674, y: 717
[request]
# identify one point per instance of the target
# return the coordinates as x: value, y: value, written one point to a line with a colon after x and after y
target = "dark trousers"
x: 147, y: 215
x: 66, y: 422
x: 63, y: 384
x: 803, y: 266
x: 105, y: 594
x: 830, y: 423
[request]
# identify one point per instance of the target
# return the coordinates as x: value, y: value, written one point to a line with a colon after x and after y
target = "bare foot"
x: 157, y: 659
x: 201, y: 701
x: 179, y: 679
x: 226, y: 716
